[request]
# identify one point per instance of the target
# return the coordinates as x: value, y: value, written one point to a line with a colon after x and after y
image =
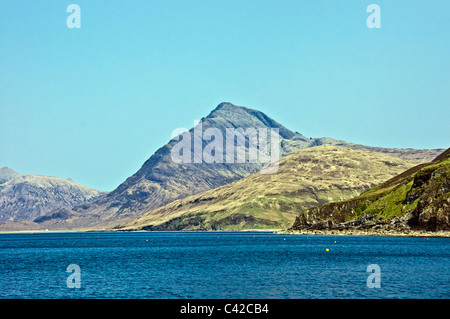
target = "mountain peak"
x: 7, y: 174
x: 227, y: 114
x: 225, y: 104
x: 226, y: 107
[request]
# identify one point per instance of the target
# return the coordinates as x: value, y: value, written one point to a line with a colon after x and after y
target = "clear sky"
x: 94, y: 103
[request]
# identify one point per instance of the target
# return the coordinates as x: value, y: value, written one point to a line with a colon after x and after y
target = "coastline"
x: 347, y: 232
x: 367, y: 232
x: 104, y: 230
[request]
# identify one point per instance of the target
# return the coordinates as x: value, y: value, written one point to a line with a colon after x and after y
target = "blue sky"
x: 94, y: 103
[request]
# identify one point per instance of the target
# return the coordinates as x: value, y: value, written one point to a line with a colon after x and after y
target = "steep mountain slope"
x: 161, y: 180
x: 417, y: 199
x: 28, y: 197
x: 305, y: 178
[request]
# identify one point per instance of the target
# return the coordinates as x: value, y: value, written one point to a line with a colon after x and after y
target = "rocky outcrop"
x: 431, y: 187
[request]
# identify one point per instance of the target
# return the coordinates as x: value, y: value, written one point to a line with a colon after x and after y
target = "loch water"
x: 197, y: 265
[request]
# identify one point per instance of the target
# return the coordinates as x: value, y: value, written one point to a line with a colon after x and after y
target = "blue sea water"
x: 221, y: 265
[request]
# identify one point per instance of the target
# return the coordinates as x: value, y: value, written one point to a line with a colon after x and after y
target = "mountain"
x: 27, y: 197
x: 162, y: 180
x: 7, y: 174
x: 305, y: 178
x: 417, y: 199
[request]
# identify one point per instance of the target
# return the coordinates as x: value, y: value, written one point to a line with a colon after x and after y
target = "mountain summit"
x: 230, y: 115
x: 7, y: 174
x: 160, y: 180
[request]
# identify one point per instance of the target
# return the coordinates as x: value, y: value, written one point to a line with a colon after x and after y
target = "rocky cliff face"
x: 431, y: 191
x: 27, y: 197
x: 417, y: 199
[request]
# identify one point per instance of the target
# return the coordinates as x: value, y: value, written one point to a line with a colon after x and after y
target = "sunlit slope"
x: 305, y: 178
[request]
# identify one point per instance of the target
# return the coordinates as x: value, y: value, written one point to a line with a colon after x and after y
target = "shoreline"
x: 136, y: 231
x: 347, y: 232
x: 368, y: 232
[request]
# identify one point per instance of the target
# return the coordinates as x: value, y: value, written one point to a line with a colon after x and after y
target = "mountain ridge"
x: 27, y: 197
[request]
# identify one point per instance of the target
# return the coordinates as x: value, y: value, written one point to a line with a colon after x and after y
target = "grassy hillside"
x: 419, y: 198
x: 306, y: 178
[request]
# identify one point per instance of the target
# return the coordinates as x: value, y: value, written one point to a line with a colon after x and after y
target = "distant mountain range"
x: 27, y: 197
x: 417, y: 199
x: 161, y: 181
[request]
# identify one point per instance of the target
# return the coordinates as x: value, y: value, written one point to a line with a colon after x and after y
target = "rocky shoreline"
x: 366, y: 232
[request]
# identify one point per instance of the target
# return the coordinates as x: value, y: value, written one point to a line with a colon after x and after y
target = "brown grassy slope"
x: 306, y: 178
